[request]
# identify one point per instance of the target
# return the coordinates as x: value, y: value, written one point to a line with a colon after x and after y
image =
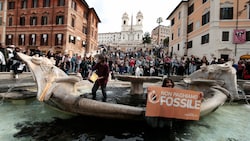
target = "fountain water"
x: 63, y: 94
x: 17, y: 90
x: 25, y: 122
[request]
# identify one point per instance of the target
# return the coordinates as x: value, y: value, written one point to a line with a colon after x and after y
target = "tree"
x: 146, y: 38
x: 166, y: 42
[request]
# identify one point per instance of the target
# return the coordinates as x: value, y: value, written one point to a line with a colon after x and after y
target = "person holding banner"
x: 102, y: 71
x: 167, y: 82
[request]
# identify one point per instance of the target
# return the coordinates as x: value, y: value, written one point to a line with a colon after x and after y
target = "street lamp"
x: 237, y: 22
x: 144, y: 41
x: 159, y: 21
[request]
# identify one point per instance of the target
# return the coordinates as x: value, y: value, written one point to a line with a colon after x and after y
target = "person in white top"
x: 2, y: 62
x: 19, y: 69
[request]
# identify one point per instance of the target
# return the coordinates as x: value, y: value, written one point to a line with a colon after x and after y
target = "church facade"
x: 130, y: 36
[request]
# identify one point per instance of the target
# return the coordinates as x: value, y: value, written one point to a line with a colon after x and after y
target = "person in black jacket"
x: 167, y: 82
x: 18, y: 65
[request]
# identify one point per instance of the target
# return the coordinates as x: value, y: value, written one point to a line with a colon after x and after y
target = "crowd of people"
x: 141, y: 62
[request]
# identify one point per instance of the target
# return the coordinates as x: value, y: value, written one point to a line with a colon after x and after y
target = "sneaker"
x: 103, y: 99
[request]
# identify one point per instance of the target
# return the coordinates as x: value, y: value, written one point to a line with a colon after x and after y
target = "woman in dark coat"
x: 102, y: 70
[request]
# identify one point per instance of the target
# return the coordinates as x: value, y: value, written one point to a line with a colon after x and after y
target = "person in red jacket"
x: 102, y: 70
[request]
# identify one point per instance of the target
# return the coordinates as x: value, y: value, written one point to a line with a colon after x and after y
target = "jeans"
x: 95, y: 88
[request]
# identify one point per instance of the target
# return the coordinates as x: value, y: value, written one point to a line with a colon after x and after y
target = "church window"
x: 139, y: 21
x: 124, y: 22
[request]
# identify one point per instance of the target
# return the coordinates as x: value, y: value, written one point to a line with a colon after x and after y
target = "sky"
x: 110, y: 12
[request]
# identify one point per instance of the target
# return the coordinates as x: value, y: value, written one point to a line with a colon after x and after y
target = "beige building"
x: 211, y: 28
x: 69, y: 26
x: 160, y: 33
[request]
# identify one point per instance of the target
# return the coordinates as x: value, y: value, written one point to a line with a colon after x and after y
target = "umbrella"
x: 245, y: 56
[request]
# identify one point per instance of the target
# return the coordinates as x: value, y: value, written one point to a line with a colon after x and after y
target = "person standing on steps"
x: 102, y: 70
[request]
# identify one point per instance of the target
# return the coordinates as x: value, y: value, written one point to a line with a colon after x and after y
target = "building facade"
x: 211, y: 28
x: 159, y: 34
x: 129, y: 37
x: 62, y: 26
